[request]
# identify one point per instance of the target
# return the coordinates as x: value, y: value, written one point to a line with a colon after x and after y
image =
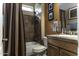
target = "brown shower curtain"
x: 13, y: 29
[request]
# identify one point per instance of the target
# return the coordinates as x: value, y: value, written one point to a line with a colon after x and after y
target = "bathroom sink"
x: 74, y: 37
x: 68, y: 36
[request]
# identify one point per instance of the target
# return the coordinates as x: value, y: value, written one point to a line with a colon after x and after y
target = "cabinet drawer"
x: 66, y: 53
x: 63, y: 44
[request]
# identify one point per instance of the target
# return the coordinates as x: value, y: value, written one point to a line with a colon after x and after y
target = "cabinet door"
x: 66, y: 53
x: 52, y: 50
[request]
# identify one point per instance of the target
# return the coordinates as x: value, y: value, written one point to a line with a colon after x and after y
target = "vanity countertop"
x: 73, y: 37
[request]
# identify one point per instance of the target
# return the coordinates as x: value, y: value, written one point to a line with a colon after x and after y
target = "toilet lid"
x: 39, y: 48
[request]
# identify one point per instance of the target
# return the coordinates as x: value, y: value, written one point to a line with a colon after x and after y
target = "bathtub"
x: 29, y: 46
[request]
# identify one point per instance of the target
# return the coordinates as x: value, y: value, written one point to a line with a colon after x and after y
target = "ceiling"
x: 66, y: 6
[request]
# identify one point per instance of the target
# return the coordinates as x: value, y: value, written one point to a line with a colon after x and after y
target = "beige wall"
x: 43, y: 21
x: 1, y: 24
x: 48, y: 29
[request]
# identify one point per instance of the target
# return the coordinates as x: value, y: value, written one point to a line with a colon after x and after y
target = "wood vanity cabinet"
x: 66, y: 53
x: 52, y: 50
x: 62, y: 47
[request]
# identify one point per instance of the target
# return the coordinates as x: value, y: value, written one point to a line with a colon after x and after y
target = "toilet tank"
x: 45, y: 40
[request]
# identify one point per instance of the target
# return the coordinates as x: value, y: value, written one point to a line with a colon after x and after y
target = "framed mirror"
x: 73, y: 13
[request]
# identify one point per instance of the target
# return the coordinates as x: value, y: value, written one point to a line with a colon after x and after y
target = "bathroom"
x: 49, y: 29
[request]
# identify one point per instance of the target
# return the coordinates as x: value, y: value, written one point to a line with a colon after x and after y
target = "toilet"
x: 35, y: 49
x: 40, y: 49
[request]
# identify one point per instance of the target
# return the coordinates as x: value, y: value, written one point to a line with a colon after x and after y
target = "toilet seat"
x: 39, y: 48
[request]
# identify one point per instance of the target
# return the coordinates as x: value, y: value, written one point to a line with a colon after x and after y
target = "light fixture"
x: 27, y: 8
